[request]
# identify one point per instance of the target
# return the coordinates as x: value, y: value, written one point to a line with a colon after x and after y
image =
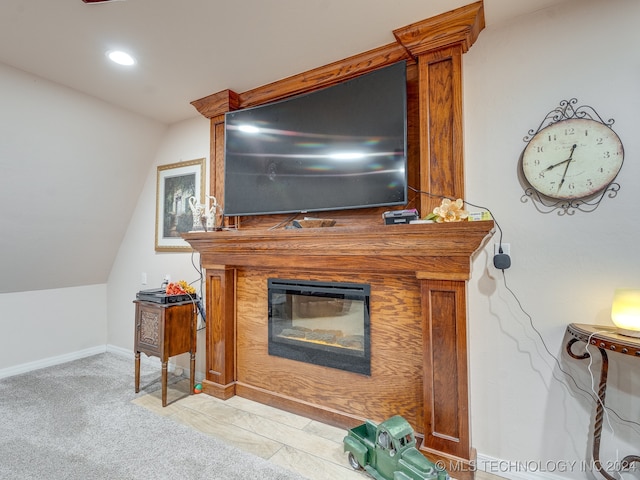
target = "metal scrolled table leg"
x: 597, y: 427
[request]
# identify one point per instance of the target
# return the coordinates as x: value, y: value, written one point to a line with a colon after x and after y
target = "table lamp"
x: 625, y: 312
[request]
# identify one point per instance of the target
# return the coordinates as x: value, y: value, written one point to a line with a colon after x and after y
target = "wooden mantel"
x: 417, y: 273
x: 418, y: 277
x: 435, y: 251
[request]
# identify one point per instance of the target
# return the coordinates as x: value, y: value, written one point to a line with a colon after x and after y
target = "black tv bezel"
x: 405, y: 185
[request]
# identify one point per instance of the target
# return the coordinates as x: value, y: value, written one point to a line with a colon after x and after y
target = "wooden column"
x: 446, y: 397
x: 441, y: 125
x: 221, y: 348
x: 438, y: 44
x: 214, y: 107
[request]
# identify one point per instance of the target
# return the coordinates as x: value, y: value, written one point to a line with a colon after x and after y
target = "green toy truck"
x: 388, y: 452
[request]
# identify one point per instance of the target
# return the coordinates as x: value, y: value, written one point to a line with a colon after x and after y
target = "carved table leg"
x: 137, y: 374
x: 597, y: 427
x: 164, y: 383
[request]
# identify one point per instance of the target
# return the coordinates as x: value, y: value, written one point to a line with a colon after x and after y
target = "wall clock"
x: 571, y: 160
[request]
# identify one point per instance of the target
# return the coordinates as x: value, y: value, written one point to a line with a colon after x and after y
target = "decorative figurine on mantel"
x: 388, y: 452
x: 204, y: 217
x: 212, y: 214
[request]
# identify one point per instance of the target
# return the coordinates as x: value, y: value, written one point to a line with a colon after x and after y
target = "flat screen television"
x: 341, y: 147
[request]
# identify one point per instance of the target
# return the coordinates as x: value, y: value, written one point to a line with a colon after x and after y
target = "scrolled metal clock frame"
x: 566, y: 110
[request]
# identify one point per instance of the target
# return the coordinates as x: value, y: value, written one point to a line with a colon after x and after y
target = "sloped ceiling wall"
x: 71, y: 169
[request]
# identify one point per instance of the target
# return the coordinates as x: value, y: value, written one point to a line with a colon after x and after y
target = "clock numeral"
x: 569, y: 131
x: 541, y: 175
x: 599, y: 141
x: 539, y: 149
x: 606, y: 154
x: 552, y: 137
x: 589, y: 183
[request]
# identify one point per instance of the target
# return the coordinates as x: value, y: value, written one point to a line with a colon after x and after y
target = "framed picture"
x: 177, y: 183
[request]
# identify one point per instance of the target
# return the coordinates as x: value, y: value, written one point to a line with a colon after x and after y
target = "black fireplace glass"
x: 323, y: 323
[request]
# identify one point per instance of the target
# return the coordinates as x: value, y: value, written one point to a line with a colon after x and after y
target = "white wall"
x: 41, y: 326
x: 71, y: 168
x: 186, y: 140
x: 565, y: 268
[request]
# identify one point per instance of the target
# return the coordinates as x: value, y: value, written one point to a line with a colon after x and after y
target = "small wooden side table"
x: 165, y: 330
x: 603, y: 338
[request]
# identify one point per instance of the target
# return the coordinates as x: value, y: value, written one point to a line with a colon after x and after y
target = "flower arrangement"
x: 449, y: 211
x: 179, y: 288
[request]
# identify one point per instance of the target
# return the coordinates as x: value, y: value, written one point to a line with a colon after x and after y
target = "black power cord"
x: 501, y: 260
x: 198, y: 303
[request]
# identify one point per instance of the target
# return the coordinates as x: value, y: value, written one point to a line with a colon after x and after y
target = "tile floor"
x: 297, y: 443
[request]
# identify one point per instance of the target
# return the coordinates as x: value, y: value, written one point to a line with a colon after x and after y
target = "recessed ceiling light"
x: 121, y: 58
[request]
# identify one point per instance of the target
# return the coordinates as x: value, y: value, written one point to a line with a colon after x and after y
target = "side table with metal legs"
x: 603, y: 338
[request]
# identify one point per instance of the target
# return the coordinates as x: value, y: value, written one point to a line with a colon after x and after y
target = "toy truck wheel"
x: 353, y: 461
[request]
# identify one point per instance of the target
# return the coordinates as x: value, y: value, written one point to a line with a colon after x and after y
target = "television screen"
x: 341, y: 147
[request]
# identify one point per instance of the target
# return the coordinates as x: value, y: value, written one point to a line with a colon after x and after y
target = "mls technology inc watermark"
x: 532, y: 466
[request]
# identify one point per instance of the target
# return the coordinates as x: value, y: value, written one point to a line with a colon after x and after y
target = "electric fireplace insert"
x: 323, y: 323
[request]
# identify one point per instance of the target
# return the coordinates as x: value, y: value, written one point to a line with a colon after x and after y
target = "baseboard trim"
x: 144, y: 360
x: 88, y: 352
x: 153, y: 362
x: 524, y: 469
x: 51, y: 361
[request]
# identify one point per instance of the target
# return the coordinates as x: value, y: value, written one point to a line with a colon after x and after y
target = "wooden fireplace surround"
x: 417, y: 273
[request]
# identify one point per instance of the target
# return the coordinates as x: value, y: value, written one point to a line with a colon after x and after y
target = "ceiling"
x: 186, y: 50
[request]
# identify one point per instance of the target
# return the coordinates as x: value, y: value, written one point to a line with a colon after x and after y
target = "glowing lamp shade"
x: 625, y: 312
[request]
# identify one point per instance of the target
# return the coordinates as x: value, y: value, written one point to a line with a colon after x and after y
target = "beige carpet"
x: 76, y: 421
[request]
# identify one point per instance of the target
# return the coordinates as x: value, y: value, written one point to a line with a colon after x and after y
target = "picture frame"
x: 176, y: 183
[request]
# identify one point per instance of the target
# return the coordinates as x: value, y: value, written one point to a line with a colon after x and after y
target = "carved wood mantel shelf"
x: 435, y: 251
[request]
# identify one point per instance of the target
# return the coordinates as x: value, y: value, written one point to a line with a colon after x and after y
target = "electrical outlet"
x: 506, y: 248
x: 143, y: 278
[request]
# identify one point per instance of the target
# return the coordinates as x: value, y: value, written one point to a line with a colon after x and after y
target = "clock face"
x: 572, y: 158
